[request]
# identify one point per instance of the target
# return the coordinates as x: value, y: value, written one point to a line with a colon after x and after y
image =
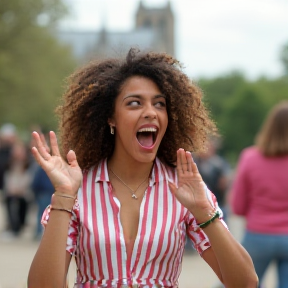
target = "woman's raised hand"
x: 65, y: 176
x: 191, y: 190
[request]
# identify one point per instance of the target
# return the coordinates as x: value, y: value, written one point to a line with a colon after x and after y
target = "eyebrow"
x: 140, y: 97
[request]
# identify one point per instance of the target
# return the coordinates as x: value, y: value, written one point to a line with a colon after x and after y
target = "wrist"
x: 204, y: 215
x: 215, y: 216
x: 62, y: 201
x: 67, y: 192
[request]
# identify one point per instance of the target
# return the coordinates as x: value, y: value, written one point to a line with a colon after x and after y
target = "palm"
x: 62, y: 175
x: 65, y: 177
x: 191, y: 191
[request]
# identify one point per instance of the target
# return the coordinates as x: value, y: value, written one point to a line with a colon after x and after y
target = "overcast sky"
x: 213, y: 37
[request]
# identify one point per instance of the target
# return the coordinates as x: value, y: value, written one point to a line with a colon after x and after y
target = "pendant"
x: 134, y: 196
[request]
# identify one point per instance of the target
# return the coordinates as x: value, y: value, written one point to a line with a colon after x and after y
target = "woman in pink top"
x: 259, y: 193
x: 137, y: 195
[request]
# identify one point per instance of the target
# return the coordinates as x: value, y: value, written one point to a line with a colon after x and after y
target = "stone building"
x: 153, y: 29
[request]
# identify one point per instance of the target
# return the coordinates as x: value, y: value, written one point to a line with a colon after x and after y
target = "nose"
x: 149, y: 112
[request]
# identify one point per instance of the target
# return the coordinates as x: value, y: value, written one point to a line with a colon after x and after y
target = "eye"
x: 160, y: 104
x: 134, y: 103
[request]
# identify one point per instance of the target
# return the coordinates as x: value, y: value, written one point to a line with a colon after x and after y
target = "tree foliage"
x: 218, y: 91
x: 32, y: 63
x: 242, y: 120
x: 239, y: 107
x: 33, y: 66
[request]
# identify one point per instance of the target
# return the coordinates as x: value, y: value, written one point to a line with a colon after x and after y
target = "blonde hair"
x: 272, y: 139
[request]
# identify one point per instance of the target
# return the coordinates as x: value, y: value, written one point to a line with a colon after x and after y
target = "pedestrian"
x: 131, y: 122
x: 215, y: 171
x: 43, y: 190
x: 259, y: 193
x: 8, y: 136
x: 17, y: 181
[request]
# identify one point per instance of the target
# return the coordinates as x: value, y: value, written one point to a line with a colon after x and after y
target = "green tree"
x: 239, y: 106
x: 242, y: 119
x: 32, y: 62
x: 218, y: 91
x: 273, y: 90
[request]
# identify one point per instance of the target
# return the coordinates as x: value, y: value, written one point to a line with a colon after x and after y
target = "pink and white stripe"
x: 96, y: 237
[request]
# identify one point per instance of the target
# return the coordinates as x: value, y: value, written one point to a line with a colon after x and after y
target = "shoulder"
x: 250, y: 152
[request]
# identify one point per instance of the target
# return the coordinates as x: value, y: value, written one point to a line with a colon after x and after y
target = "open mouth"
x: 147, y: 136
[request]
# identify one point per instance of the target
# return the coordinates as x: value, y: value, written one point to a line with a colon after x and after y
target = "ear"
x: 111, y: 122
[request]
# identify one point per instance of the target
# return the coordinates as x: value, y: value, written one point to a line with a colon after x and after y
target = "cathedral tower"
x: 161, y: 20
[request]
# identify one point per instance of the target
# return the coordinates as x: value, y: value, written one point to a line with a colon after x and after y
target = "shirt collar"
x: 159, y: 173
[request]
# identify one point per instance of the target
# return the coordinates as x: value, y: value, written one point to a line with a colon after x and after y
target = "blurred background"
x: 237, y: 51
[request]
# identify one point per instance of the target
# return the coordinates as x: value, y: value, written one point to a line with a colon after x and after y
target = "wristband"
x: 205, y: 224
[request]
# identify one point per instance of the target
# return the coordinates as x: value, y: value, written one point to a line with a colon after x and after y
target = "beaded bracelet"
x: 61, y: 209
x: 205, y: 224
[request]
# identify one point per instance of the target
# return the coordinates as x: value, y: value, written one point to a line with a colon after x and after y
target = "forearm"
x: 48, y: 268
x: 236, y: 266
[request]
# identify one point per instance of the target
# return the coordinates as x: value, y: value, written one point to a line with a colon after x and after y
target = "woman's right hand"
x: 65, y: 177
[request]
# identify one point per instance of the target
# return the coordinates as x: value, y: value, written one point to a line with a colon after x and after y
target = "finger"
x: 189, y: 161
x: 43, y: 139
x: 54, y: 144
x: 71, y: 158
x: 38, y: 157
x: 179, y: 162
x: 40, y: 146
x: 183, y: 160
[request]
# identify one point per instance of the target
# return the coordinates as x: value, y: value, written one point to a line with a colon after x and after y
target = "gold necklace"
x: 132, y: 191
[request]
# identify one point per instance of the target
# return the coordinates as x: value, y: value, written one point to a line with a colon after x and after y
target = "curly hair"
x: 90, y: 98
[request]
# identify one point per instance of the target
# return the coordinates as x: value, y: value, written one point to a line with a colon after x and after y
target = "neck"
x: 130, y: 171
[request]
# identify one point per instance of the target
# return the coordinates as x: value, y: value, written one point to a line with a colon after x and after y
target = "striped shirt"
x: 96, y: 239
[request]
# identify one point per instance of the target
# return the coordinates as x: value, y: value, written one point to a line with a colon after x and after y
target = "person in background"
x: 125, y: 204
x: 8, y: 136
x: 215, y: 171
x: 17, y: 181
x: 42, y: 189
x: 259, y: 193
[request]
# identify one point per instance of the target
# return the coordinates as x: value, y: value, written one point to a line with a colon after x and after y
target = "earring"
x: 112, y: 130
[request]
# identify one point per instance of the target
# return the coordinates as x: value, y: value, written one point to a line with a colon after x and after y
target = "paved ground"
x: 16, y: 256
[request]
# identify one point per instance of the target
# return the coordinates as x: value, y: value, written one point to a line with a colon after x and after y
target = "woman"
x: 17, y: 181
x: 259, y: 193
x: 126, y: 120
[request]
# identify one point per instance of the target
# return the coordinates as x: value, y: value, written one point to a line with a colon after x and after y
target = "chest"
x: 157, y: 220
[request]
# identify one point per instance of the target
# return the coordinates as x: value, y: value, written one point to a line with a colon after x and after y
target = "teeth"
x: 148, y: 129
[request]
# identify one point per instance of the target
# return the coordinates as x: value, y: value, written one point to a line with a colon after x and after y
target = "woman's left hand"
x: 191, y: 190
